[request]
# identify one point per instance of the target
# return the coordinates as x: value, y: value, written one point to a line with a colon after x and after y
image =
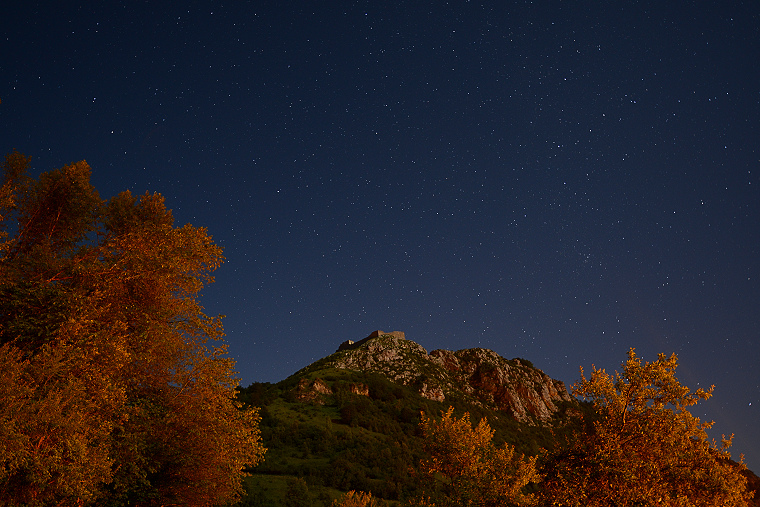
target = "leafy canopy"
x: 355, y: 499
x: 466, y: 468
x: 116, y: 386
x: 645, y: 447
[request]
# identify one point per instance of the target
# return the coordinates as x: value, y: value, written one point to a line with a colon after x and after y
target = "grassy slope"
x: 367, y: 443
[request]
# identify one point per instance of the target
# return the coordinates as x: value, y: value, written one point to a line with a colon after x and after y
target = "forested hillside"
x: 385, y: 417
x: 343, y: 439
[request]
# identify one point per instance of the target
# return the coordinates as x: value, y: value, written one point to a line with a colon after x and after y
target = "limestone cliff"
x: 478, y: 375
x: 514, y: 386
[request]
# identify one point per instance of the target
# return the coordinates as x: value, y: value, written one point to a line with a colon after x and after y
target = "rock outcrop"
x: 360, y: 389
x: 315, y: 391
x: 511, y: 386
x: 312, y: 391
x: 350, y: 344
x: 480, y: 375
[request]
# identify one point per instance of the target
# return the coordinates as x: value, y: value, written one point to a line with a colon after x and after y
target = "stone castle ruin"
x: 350, y: 344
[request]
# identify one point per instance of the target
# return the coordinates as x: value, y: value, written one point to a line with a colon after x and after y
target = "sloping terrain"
x: 478, y: 376
x: 350, y: 420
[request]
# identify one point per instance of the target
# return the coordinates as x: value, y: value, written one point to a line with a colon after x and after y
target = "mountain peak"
x: 477, y: 375
x: 350, y: 344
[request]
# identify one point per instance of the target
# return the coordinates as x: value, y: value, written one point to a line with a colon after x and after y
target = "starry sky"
x: 557, y: 181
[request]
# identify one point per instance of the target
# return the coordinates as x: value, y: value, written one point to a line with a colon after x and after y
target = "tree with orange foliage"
x: 355, y: 499
x: 645, y: 448
x: 468, y: 469
x: 115, y: 385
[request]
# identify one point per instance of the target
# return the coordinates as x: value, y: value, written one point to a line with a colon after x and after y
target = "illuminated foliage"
x: 469, y: 469
x: 645, y: 449
x: 115, y: 386
x: 355, y: 499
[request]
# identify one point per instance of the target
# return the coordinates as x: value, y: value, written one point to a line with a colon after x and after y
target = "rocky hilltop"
x: 479, y: 376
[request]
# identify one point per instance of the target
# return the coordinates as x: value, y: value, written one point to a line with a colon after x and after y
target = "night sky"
x: 557, y: 181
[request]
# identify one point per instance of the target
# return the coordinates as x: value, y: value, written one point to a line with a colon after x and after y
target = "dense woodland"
x: 115, y: 386
x: 405, y: 449
x: 116, y: 390
x: 346, y: 441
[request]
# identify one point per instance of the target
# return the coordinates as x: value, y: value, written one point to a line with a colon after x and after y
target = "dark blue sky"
x: 556, y: 181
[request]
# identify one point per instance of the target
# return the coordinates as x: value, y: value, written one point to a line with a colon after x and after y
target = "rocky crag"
x: 479, y: 376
